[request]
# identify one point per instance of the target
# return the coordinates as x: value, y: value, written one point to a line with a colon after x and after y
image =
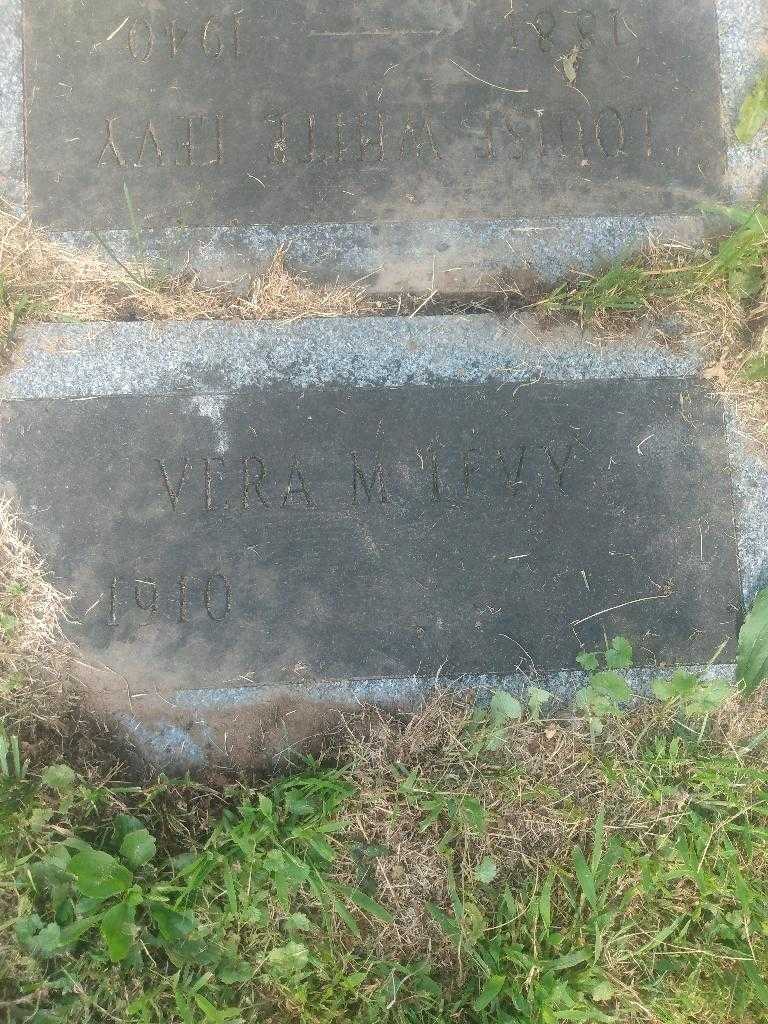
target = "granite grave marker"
x: 417, y: 145
x: 371, y: 111
x: 354, y: 508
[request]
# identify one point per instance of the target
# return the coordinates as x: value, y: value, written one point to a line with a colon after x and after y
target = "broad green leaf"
x: 679, y: 685
x: 235, y: 972
x: 366, y: 903
x: 48, y: 941
x: 173, y: 926
x: 754, y: 111
x: 612, y: 685
x: 708, y: 697
x: 99, y: 875
x: 505, y: 707
x: 472, y: 813
x: 289, y: 959
x: 124, y: 825
x: 752, y: 651
x: 73, y: 932
x: 585, y: 877
x: 537, y: 698
x: 564, y: 963
x: 321, y: 848
x: 299, y: 923
x: 491, y: 991
x: 58, y: 776
x: 34, y: 936
x: 619, y: 655
x: 138, y: 848
x: 39, y: 818
x: 118, y: 929
x: 588, y: 661
x: 486, y: 871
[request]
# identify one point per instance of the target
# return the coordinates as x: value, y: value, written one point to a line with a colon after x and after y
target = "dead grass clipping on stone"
x: 42, y: 281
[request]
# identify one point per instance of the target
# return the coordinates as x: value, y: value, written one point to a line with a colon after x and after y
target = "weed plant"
x: 496, y: 864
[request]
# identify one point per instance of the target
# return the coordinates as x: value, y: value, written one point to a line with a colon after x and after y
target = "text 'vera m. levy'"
x: 256, y: 482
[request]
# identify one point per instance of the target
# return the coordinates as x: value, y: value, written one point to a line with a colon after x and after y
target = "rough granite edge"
x: 743, y: 29
x: 11, y: 104
x: 165, y: 744
x: 78, y: 360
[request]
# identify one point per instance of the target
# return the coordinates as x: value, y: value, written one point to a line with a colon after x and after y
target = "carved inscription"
x: 583, y: 27
x: 148, y: 39
x: 510, y: 135
x: 375, y: 136
x: 212, y: 595
x: 379, y: 533
x: 250, y: 483
x: 196, y: 141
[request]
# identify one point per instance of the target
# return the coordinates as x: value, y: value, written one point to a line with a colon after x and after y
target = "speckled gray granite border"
x: 80, y: 361
x: 11, y: 104
x: 451, y: 256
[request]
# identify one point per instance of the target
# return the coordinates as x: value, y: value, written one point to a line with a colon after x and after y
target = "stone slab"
x: 329, y: 534
x: 452, y: 224
x: 332, y: 602
x: 421, y: 111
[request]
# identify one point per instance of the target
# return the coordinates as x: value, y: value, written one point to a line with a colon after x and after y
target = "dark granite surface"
x: 320, y: 112
x: 236, y: 539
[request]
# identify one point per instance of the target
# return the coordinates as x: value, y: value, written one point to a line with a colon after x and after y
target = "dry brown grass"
x: 692, y: 287
x: 542, y: 790
x: 749, y: 400
x: 42, y: 280
x: 33, y: 651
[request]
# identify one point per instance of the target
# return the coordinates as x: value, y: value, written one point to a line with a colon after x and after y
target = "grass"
x: 719, y: 293
x: 457, y: 866
x: 709, y: 281
x: 45, y: 281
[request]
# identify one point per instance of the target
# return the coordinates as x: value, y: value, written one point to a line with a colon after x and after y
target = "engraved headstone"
x: 250, y: 515
x: 419, y: 144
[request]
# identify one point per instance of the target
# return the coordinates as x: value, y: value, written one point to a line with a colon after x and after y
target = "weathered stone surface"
x: 320, y: 112
x: 237, y: 573
x: 492, y: 205
x: 339, y: 534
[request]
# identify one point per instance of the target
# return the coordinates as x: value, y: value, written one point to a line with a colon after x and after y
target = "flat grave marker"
x: 423, y: 146
x: 321, y: 112
x: 244, y: 512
